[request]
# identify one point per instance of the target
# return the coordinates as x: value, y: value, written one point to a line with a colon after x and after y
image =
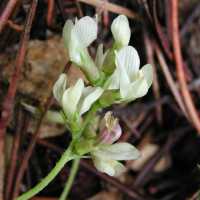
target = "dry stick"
x: 7, y: 12
x: 167, y: 20
x: 14, y: 26
x: 170, y: 80
x: 112, y: 8
x: 189, y: 20
x: 13, y: 159
x: 161, y: 35
x: 130, y: 192
x: 50, y: 12
x: 31, y: 146
x: 156, y: 87
x: 80, y: 11
x: 192, y: 112
x: 8, y: 103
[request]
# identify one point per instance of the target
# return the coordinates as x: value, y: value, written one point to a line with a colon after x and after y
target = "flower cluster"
x: 114, y: 77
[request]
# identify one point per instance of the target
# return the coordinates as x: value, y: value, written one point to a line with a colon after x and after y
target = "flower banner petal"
x: 85, y: 30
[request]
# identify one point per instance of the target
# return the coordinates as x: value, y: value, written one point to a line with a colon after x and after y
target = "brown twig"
x: 192, y: 111
x: 112, y: 8
x: 161, y: 35
x: 8, y: 103
x: 170, y: 80
x: 14, y: 26
x: 50, y: 12
x: 31, y: 146
x: 7, y: 13
x: 156, y: 87
x: 14, y: 154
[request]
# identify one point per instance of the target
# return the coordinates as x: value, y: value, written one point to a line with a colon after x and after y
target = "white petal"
x: 59, y: 87
x: 110, y: 167
x: 55, y: 117
x: 71, y: 98
x: 67, y: 32
x: 85, y: 30
x: 113, y: 81
x: 100, y: 56
x: 118, y: 151
x: 123, y: 76
x: 147, y: 71
x: 128, y: 58
x: 121, y: 30
x: 90, y: 95
x: 137, y: 89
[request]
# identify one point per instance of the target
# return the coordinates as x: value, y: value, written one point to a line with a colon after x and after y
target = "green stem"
x: 66, y: 157
x: 70, y: 180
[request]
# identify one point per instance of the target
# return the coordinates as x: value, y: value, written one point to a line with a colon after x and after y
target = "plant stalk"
x: 70, y: 180
x: 66, y: 157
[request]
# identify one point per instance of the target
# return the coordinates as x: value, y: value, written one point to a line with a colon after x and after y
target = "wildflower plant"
x: 114, y: 77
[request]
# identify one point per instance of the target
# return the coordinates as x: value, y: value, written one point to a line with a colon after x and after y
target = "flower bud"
x: 121, y: 30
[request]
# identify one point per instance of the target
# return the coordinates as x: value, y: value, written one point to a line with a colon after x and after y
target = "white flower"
x: 121, y: 30
x: 106, y: 157
x: 77, y: 37
x: 131, y: 82
x: 76, y: 99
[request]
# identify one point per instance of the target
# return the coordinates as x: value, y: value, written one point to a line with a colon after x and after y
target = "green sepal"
x: 83, y: 146
x: 109, y: 97
x: 109, y: 62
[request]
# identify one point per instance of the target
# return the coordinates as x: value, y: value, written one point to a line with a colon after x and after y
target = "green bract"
x: 75, y: 100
